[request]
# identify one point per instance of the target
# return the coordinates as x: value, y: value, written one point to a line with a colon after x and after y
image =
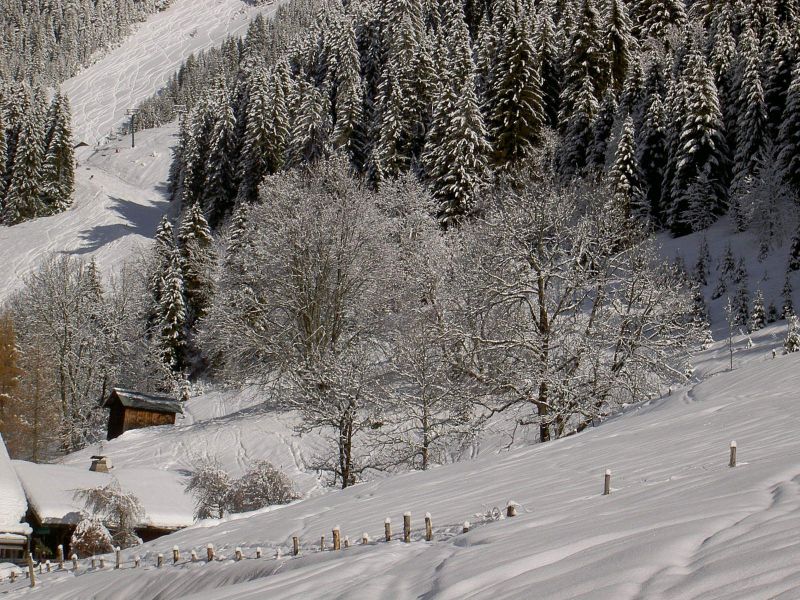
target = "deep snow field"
x: 679, y: 522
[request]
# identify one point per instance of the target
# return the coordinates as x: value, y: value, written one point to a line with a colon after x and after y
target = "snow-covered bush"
x: 211, y: 486
x: 261, y: 486
x: 91, y: 537
x: 120, y: 510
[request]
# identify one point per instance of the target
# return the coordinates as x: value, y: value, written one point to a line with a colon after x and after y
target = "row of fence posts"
x: 338, y: 541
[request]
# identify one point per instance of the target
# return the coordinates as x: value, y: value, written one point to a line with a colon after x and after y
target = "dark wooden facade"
x: 133, y: 410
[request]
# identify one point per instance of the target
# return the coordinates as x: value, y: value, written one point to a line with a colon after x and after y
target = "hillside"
x: 679, y: 522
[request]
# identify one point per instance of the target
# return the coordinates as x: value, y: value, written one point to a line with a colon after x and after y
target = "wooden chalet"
x: 134, y: 410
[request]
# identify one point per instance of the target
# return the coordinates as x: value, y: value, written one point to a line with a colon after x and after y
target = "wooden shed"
x: 134, y: 410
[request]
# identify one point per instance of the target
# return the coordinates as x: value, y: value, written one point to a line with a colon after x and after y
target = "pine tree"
x: 173, y: 316
x: 624, y: 175
x: 58, y: 170
x: 651, y: 154
x: 727, y: 272
x: 701, y: 153
x: 516, y: 111
x: 758, y: 318
x: 257, y: 148
x: 603, y: 132
x: 23, y: 197
x: 349, y: 127
x: 788, y: 300
x: 789, y: 138
x: 576, y: 144
x: 620, y: 43
x: 219, y: 191
x: 198, y: 258
x: 456, y: 157
x: 391, y: 154
x: 794, y: 253
x: 586, y: 68
x: 656, y: 17
x: 702, y: 268
x: 752, y: 119
x: 778, y: 79
x: 3, y: 158
x: 550, y: 71
x: 741, y: 304
x: 792, y: 342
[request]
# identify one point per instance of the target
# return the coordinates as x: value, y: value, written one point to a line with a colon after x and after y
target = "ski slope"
x: 679, y: 524
x: 101, y: 94
x: 120, y: 196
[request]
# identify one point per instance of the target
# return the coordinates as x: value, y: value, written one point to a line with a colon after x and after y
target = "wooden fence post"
x: 337, y: 539
x: 428, y: 527
x: 732, y: 462
x: 387, y: 529
x: 118, y: 553
x: 13, y: 576
x: 466, y: 527
x: 511, y: 509
x: 160, y: 560
x: 93, y: 562
x: 102, y: 562
x: 194, y: 555
x: 237, y: 554
x: 407, y: 527
x: 607, y: 483
x: 60, y: 555
x: 322, y: 543
x: 210, y: 552
x: 295, y: 546
x: 137, y: 561
x: 365, y: 538
x: 47, y: 566
x: 74, y: 562
x: 278, y: 554
x: 258, y: 552
x: 346, y: 542
x: 176, y: 554
x: 31, y: 574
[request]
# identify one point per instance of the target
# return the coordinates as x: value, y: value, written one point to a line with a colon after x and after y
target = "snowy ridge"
x: 679, y: 522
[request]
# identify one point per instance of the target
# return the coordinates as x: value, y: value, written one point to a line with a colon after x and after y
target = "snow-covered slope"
x: 120, y: 197
x: 101, y: 94
x: 679, y: 524
x: 119, y: 200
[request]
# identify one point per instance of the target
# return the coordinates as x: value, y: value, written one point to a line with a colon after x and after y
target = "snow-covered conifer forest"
x: 386, y: 238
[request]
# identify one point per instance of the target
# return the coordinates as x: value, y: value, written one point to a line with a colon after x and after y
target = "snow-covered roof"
x: 13, y: 505
x: 51, y: 488
x: 153, y: 402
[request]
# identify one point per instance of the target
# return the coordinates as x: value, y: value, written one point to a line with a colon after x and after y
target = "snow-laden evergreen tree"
x: 3, y: 158
x: 173, y: 316
x: 516, y: 110
x: 741, y: 304
x: 23, y: 196
x: 390, y: 155
x: 624, y: 175
x: 788, y: 297
x: 548, y: 58
x: 727, y: 273
x: 163, y: 249
x: 657, y: 17
x: 198, y: 258
x: 309, y: 138
x: 789, y: 137
x: 751, y: 126
x: 702, y: 268
x: 778, y: 65
x: 700, y: 157
x: 792, y: 342
x: 349, y: 128
x: 758, y: 317
x: 603, y: 132
x: 219, y: 190
x: 586, y: 67
x: 457, y: 157
x: 576, y: 145
x: 58, y: 170
x: 651, y: 155
x: 621, y: 46
x: 265, y: 134
x: 794, y: 253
